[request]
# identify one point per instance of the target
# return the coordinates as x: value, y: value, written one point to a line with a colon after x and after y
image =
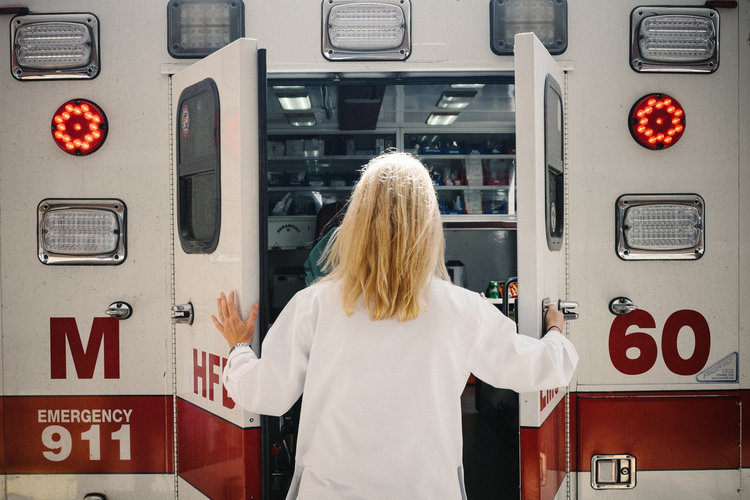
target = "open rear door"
x: 540, y: 157
x: 215, y: 104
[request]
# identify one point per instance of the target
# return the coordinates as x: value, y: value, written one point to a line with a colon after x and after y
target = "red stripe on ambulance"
x: 217, y: 457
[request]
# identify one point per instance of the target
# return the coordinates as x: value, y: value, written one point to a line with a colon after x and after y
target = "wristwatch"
x: 238, y: 344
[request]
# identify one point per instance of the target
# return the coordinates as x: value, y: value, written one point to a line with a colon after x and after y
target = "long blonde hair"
x: 390, y: 242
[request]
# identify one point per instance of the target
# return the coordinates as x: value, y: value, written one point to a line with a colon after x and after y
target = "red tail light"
x: 657, y: 121
x: 79, y: 127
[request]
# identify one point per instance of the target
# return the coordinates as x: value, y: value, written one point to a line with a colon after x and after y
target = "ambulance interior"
x: 320, y: 132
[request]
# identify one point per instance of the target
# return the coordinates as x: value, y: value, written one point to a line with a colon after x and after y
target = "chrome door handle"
x: 620, y: 306
x: 183, y: 313
x: 119, y: 310
x: 567, y: 307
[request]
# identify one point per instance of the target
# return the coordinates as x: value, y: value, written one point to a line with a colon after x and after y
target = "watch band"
x: 238, y: 344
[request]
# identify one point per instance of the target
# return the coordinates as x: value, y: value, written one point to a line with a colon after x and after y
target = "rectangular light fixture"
x: 660, y: 227
x: 55, y: 46
x: 81, y: 231
x: 455, y: 99
x: 674, y: 39
x: 441, y: 118
x: 547, y: 19
x: 294, y: 100
x: 301, y: 119
x: 196, y: 28
x: 370, y: 30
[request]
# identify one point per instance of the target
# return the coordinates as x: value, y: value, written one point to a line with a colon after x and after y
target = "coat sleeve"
x: 271, y: 384
x: 505, y: 359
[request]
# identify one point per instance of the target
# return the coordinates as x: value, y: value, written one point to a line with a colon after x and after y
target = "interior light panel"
x: 79, y: 127
x: 657, y: 121
x: 660, y: 227
x: 356, y: 30
x: 196, y: 28
x: 674, y: 39
x: 55, y: 46
x: 547, y: 19
x: 81, y: 231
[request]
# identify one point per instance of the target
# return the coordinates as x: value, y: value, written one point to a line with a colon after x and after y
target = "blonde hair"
x: 390, y: 242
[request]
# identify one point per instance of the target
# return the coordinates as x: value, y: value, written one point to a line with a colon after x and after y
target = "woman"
x: 382, y: 348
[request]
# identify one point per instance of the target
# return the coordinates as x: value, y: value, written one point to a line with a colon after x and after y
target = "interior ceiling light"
x: 79, y: 127
x: 81, y: 231
x: 196, y: 28
x: 467, y: 85
x: 456, y: 100
x: 357, y: 30
x: 55, y: 46
x: 657, y: 121
x: 660, y: 227
x: 674, y: 39
x: 301, y: 119
x: 294, y: 100
x: 441, y: 118
x: 547, y: 19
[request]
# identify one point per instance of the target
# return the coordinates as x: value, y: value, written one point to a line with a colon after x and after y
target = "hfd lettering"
x: 105, y: 332
x: 209, y: 376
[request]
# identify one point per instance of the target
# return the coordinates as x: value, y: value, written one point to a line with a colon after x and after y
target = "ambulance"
x: 594, y: 154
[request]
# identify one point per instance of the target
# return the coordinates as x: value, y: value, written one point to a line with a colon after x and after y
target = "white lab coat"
x: 381, y: 413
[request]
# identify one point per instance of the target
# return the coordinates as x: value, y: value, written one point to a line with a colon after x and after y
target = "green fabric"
x: 313, y: 268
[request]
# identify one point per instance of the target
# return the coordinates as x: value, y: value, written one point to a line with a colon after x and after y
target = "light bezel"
x: 236, y: 28
x: 396, y: 53
x: 640, y: 64
x: 113, y: 205
x: 628, y: 201
x: 87, y: 71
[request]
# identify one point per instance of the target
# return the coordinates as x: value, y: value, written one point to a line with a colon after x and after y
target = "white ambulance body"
x: 111, y: 365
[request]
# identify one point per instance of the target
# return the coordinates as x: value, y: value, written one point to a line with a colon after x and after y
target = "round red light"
x: 72, y: 126
x: 656, y: 121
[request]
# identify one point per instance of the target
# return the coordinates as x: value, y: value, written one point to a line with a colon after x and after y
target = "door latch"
x: 564, y: 306
x: 183, y: 313
x: 620, y: 306
x: 612, y: 472
x: 119, y: 310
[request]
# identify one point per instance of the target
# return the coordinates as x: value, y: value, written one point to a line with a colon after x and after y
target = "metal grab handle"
x: 119, y: 310
x: 620, y: 306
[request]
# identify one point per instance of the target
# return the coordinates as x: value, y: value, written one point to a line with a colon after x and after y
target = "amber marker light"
x: 657, y: 121
x: 79, y: 127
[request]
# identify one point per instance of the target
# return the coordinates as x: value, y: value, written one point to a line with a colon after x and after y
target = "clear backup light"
x: 674, y: 39
x: 55, y: 46
x: 547, y: 19
x: 660, y: 227
x: 196, y: 28
x: 81, y: 231
x: 356, y: 30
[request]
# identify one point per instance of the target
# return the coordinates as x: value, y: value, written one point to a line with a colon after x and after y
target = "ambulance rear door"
x: 216, y: 157
x: 541, y: 169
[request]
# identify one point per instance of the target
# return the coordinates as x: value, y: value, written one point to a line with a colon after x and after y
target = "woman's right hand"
x: 230, y: 323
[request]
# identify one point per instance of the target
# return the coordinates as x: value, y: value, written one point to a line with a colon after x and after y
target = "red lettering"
x: 104, y: 331
x: 620, y: 341
x: 225, y: 399
x: 213, y: 377
x: 199, y: 371
x: 698, y: 324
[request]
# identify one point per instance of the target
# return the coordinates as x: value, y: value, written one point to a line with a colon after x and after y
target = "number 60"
x: 620, y: 341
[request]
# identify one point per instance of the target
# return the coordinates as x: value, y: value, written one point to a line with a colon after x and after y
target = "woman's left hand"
x: 230, y: 323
